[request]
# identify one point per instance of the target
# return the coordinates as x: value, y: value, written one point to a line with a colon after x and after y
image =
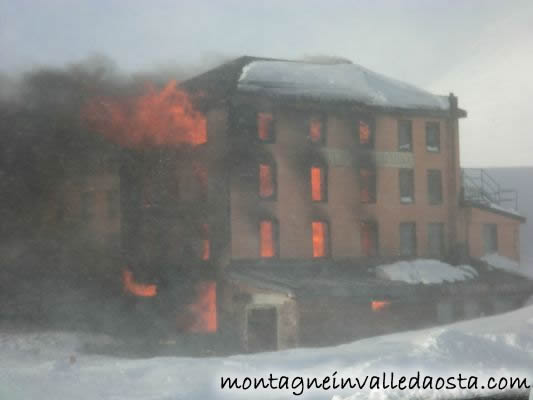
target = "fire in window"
x: 267, y: 181
x: 265, y: 127
x: 433, y: 137
x: 434, y: 186
x: 203, y: 311
x: 365, y: 132
x: 316, y: 130
x: 405, y: 135
x: 318, y: 183
x: 367, y: 185
x: 407, y: 186
x: 206, y: 245
x: 369, y: 238
x: 320, y: 232
x: 379, y: 305
x: 408, y: 239
x: 268, y: 232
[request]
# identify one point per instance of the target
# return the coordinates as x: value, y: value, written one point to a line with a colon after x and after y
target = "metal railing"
x: 479, y: 187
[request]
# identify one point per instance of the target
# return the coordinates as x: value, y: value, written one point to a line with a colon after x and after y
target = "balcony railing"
x: 479, y: 187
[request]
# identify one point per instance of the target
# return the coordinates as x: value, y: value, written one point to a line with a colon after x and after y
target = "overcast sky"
x: 482, y: 50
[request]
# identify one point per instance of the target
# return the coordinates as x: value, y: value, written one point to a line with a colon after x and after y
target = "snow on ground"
x: 49, y: 365
x: 425, y: 271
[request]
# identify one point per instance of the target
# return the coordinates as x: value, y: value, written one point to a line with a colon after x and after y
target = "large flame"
x: 137, y: 289
x: 267, y: 239
x: 165, y: 117
x: 204, y: 309
x: 317, y: 183
x: 319, y: 231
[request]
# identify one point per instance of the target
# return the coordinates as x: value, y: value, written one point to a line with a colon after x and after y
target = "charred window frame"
x: 408, y: 243
x: 320, y: 236
x: 434, y: 186
x: 317, y: 129
x: 318, y: 176
x: 405, y: 135
x: 267, y: 179
x: 407, y: 186
x: 367, y: 185
x: 266, y: 127
x: 433, y: 137
x: 490, y: 238
x: 436, y: 241
x: 369, y: 238
x: 268, y: 238
x: 365, y: 132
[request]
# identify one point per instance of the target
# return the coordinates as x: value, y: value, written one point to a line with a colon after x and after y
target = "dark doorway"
x: 262, y: 329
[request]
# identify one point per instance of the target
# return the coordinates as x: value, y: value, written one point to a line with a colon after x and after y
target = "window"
x: 436, y: 240
x: 434, y: 186
x: 408, y: 239
x: 86, y: 205
x: 369, y: 238
x: 265, y: 127
x: 367, y: 185
x: 262, y: 329
x: 320, y: 232
x: 206, y: 245
x: 405, y: 135
x: 269, y: 238
x: 318, y: 183
x: 407, y: 186
x: 490, y: 238
x: 365, y: 133
x: 317, y: 132
x: 267, y: 180
x: 112, y: 203
x: 433, y: 137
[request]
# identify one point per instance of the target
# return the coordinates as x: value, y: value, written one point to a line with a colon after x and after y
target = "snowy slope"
x: 425, y: 271
x: 39, y: 365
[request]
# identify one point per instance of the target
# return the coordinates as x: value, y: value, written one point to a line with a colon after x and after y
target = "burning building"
x: 259, y: 214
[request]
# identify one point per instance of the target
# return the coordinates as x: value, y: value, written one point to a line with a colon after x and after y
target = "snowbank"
x: 425, y: 271
x: 49, y: 365
x: 506, y: 264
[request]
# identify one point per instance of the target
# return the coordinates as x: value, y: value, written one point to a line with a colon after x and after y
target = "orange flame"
x: 137, y: 289
x: 316, y: 183
x: 364, y: 132
x: 319, y: 231
x: 378, y: 305
x: 165, y: 117
x: 264, y: 126
x: 267, y: 239
x: 204, y: 309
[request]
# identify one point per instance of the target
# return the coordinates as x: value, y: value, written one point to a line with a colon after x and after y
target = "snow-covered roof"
x: 343, y: 82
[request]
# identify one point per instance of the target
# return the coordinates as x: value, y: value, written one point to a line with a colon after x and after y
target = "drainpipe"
x: 453, y: 178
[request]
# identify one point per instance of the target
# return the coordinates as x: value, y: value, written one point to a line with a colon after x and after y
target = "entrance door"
x: 262, y: 329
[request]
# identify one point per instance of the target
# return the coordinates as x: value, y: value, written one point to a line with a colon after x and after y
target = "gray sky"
x: 482, y: 50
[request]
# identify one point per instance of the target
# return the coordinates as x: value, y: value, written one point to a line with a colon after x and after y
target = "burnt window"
x: 319, y: 185
x: 434, y: 186
x: 405, y: 135
x: 268, y: 238
x: 490, y: 238
x: 436, y: 240
x: 267, y: 180
x: 265, y: 127
x: 87, y: 199
x: 407, y: 186
x: 206, y: 244
x: 112, y: 203
x: 408, y: 239
x: 433, y: 137
x: 369, y: 238
x: 320, y: 237
x: 317, y: 129
x: 367, y: 185
x: 365, y: 133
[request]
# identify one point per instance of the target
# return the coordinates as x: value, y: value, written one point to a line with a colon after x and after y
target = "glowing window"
x: 379, y: 305
x: 265, y: 127
x: 365, y: 133
x: 316, y: 130
x: 318, y: 183
x: 268, y: 233
x: 367, y: 185
x: 320, y: 232
x: 203, y: 312
x: 267, y: 181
